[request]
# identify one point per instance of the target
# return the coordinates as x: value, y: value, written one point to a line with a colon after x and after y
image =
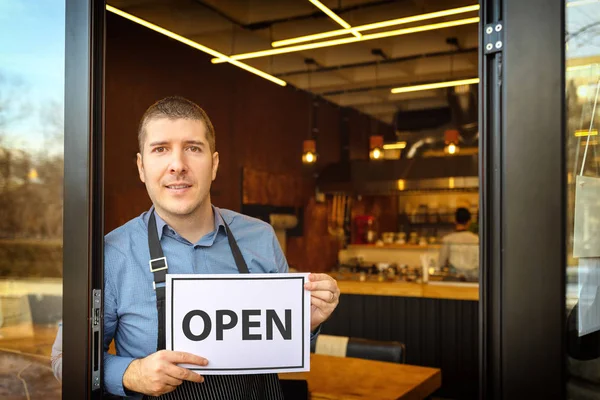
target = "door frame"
x: 523, y: 200
x: 83, y: 197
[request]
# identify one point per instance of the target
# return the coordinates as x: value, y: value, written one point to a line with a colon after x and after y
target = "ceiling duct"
x: 461, y: 114
x: 423, y: 119
x: 463, y: 104
x: 424, y: 131
x: 392, y: 176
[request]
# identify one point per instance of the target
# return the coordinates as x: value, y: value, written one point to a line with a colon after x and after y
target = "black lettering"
x: 233, y: 319
x: 186, y: 325
x: 247, y: 324
x: 286, y: 332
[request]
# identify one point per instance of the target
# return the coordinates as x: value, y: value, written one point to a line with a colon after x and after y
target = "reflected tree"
x: 31, y: 179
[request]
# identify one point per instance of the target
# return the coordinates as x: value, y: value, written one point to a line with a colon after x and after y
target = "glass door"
x: 582, y: 171
x: 49, y: 145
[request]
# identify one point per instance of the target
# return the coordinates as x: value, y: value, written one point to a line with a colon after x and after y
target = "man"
x: 178, y: 162
x: 460, y: 249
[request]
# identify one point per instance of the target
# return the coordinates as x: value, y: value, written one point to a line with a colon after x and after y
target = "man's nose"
x: 177, y: 165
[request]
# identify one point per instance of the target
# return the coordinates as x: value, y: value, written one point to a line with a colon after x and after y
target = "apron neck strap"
x: 237, y: 254
x: 158, y: 261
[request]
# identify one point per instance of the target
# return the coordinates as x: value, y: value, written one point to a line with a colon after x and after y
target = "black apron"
x: 230, y: 387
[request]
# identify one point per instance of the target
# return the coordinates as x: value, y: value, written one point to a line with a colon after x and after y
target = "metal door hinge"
x: 96, y: 322
x: 493, y: 38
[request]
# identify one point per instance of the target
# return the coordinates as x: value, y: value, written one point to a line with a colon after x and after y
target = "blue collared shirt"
x: 130, y: 315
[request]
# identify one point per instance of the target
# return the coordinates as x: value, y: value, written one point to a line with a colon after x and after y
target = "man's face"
x: 177, y: 166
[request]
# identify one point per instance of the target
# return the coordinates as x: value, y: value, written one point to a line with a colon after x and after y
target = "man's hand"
x: 158, y: 373
x: 324, y: 298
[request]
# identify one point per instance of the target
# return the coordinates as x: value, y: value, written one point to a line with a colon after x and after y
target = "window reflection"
x: 583, y: 190
x: 32, y: 36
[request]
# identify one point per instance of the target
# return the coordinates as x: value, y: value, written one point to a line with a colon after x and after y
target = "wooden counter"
x: 394, y: 246
x: 352, y: 378
x: 451, y: 291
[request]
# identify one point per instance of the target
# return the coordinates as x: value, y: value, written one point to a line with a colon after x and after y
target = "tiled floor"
x: 25, y: 372
x: 27, y: 377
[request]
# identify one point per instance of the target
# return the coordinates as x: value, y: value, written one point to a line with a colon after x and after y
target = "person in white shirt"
x: 460, y: 249
x: 56, y: 358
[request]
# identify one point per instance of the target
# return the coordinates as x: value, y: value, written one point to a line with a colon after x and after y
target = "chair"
x: 294, y: 389
x: 343, y: 346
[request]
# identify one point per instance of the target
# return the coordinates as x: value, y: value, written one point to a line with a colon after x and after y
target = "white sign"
x: 241, y: 323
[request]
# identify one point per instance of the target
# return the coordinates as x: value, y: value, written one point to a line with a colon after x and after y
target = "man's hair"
x: 463, y: 216
x: 175, y: 107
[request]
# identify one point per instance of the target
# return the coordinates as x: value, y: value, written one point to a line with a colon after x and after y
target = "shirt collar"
x: 161, y: 224
x: 219, y: 222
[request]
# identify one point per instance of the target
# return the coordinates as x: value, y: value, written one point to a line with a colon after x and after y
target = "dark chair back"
x: 376, y: 350
x: 361, y: 348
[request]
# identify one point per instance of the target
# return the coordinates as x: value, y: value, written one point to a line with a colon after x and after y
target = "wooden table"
x: 334, y: 378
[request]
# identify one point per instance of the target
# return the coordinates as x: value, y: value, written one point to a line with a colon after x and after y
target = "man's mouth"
x: 180, y: 186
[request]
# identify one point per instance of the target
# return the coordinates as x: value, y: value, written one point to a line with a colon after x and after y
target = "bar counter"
x: 433, y: 290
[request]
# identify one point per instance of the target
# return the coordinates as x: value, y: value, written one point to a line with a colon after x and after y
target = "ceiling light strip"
x: 335, y: 17
x: 376, y: 25
x: 395, y: 146
x: 436, y: 85
x: 195, y: 45
x: 336, y: 42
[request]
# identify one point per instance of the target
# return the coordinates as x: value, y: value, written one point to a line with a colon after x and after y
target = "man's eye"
x: 158, y: 149
x: 194, y: 149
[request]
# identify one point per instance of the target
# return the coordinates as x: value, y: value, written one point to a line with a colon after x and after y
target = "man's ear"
x: 215, y: 165
x: 140, y: 165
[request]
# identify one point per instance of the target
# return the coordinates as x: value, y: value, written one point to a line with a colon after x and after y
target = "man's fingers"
x: 318, y: 277
x: 325, y: 295
x: 320, y: 304
x: 171, y: 381
x: 183, y: 374
x: 168, y: 389
x: 180, y: 357
x: 326, y: 284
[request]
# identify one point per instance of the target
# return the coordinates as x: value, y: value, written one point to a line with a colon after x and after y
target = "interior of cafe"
x: 352, y: 128
x: 358, y: 166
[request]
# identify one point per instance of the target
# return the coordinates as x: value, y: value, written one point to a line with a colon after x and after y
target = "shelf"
x: 428, y: 223
x: 394, y: 246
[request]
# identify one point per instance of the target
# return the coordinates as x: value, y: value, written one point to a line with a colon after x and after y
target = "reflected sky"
x: 583, y: 28
x: 32, y: 58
